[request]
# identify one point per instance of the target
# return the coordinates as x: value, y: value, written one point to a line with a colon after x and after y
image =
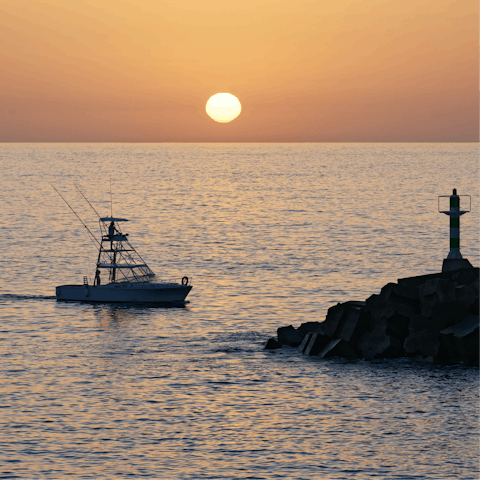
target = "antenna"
x: 61, y: 196
x: 76, y: 186
x: 111, y: 201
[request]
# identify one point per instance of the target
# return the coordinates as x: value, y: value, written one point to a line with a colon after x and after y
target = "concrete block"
x: 422, y: 343
x: 379, y: 307
x: 472, y: 351
x: 419, y: 322
x: 465, y: 276
x: 387, y: 290
x: 354, y: 323
x: 314, y: 327
x: 346, y: 320
x: 338, y: 348
x: 333, y: 319
x: 427, y: 303
x: 405, y: 291
x: 405, y: 306
x: 272, y: 344
x: 466, y: 327
x: 390, y: 302
x: 466, y: 294
x: 303, y: 345
x: 439, y: 295
x: 447, y: 354
x: 443, y: 289
x: 414, y: 282
x: 289, y: 336
x: 474, y: 308
x: 448, y: 314
x: 378, y: 344
x: 463, y: 341
x: 397, y: 326
x: 316, y: 344
x: 450, y: 264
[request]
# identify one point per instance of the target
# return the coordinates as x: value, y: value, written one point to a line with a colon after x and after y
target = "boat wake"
x: 13, y: 296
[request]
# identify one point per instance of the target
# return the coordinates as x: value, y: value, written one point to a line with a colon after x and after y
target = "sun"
x: 223, y: 107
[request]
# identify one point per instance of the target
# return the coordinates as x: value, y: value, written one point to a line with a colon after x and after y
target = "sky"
x: 304, y: 71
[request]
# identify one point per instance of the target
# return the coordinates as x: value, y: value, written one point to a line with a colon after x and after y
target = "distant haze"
x: 335, y: 70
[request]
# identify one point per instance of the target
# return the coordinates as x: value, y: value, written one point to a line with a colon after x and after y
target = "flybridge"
x: 117, y: 255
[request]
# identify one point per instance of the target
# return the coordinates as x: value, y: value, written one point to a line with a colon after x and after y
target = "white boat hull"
x: 167, y: 293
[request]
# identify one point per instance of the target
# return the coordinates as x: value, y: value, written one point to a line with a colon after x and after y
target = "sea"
x: 269, y: 235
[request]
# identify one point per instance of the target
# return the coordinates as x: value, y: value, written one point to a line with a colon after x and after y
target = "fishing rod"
x: 111, y: 213
x: 76, y: 186
x: 111, y: 201
x: 88, y: 230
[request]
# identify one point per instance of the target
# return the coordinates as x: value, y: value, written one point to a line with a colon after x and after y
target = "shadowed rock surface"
x: 289, y: 336
x: 430, y: 317
x: 272, y: 344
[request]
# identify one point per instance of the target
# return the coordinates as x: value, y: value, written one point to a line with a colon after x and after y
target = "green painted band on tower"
x: 454, y: 201
x: 454, y: 243
x: 454, y: 222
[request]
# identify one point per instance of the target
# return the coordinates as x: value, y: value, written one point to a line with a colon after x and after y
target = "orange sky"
x: 324, y: 70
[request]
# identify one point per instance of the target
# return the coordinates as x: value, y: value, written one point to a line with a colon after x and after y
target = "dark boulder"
x: 464, y: 276
x: 419, y: 322
x: 313, y: 327
x: 397, y: 326
x: 316, y: 343
x: 466, y: 294
x: 333, y: 319
x: 345, y: 320
x: 414, y: 282
x: 448, y: 314
x: 338, y: 348
x: 354, y: 323
x: 272, y: 344
x: 378, y: 344
x: 306, y: 340
x: 462, y: 340
x: 391, y: 302
x: 442, y: 299
x: 423, y: 340
x: 443, y: 290
x: 473, y: 309
x: 421, y: 343
x: 289, y: 336
x: 378, y: 305
x: 406, y: 291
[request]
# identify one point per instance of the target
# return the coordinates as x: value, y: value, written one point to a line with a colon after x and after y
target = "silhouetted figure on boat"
x: 111, y: 230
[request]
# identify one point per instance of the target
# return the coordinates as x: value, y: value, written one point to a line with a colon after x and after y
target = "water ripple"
x: 273, y: 235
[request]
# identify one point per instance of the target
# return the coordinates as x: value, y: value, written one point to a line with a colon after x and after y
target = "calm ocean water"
x: 271, y: 235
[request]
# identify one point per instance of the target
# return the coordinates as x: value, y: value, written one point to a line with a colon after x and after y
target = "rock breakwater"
x: 430, y: 317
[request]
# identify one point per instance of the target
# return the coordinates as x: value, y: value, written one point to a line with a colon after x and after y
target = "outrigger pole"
x: 111, y: 201
x: 88, y: 230
x: 81, y: 193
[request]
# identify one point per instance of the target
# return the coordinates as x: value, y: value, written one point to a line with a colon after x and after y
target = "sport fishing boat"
x: 128, y: 279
